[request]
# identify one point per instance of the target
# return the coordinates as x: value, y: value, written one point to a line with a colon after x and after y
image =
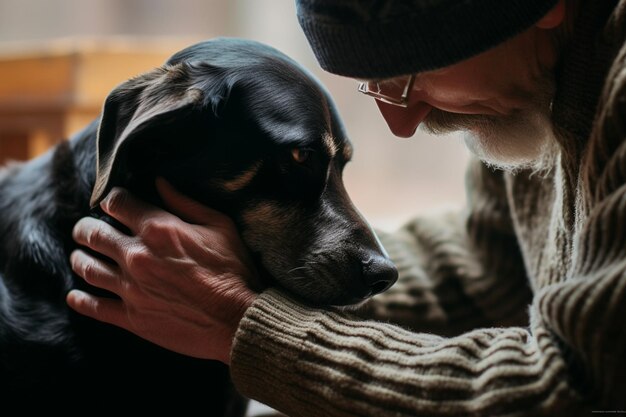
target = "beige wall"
x: 390, y: 179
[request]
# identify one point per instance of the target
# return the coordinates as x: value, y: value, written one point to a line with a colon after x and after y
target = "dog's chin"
x: 308, y: 295
x: 342, y: 301
x: 353, y: 307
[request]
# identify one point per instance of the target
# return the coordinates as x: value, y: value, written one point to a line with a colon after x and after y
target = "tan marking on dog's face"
x: 268, y: 227
x: 271, y: 217
x: 329, y: 144
x: 243, y: 179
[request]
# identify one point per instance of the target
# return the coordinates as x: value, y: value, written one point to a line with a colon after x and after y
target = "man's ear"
x: 553, y: 18
x: 142, y: 103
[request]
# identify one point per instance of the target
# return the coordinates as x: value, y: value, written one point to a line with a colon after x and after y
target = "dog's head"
x: 241, y: 127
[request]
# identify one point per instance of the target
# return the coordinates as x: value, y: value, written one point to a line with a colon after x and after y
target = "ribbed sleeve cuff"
x: 267, y: 346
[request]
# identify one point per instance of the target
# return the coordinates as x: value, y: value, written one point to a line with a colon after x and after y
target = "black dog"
x: 233, y: 124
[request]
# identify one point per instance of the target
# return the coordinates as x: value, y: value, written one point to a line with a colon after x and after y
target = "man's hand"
x: 182, y: 283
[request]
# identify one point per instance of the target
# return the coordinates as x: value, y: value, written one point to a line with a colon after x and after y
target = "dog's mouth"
x: 346, y: 295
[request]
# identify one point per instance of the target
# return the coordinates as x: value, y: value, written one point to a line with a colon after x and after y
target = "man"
x: 540, y: 89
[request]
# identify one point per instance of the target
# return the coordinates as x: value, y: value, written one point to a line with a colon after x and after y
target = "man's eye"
x: 300, y: 155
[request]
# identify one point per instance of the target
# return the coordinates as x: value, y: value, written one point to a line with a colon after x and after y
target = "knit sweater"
x: 515, y: 306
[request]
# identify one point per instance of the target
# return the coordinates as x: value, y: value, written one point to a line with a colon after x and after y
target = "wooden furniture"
x: 49, y: 92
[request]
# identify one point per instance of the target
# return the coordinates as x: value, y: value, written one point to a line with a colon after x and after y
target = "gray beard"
x: 523, y: 140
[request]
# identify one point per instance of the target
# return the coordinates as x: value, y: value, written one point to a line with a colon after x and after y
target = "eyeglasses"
x: 394, y: 91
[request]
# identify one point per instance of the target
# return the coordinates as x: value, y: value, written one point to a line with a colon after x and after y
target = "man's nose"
x: 403, y: 121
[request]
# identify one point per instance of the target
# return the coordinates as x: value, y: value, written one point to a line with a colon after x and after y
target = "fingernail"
x: 76, y: 230
x: 76, y: 293
x: 79, y: 228
x: 74, y: 297
x: 74, y: 259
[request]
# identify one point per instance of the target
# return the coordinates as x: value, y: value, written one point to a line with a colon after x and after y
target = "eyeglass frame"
x: 402, y: 101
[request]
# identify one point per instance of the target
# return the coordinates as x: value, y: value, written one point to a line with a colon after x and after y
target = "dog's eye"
x: 300, y: 155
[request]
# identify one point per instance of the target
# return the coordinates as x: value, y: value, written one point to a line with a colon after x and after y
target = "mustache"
x: 443, y: 122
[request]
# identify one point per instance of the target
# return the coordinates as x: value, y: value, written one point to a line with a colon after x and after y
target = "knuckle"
x: 116, y: 200
x: 88, y: 271
x: 93, y: 236
x: 153, y: 226
x: 91, y: 232
x: 159, y: 231
x: 138, y: 259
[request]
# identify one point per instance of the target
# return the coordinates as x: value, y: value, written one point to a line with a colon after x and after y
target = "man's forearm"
x: 308, y: 362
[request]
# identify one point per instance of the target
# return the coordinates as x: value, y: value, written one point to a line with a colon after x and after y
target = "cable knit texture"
x: 514, y: 307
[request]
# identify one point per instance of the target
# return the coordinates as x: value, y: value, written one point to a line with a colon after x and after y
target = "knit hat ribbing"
x: 386, y: 38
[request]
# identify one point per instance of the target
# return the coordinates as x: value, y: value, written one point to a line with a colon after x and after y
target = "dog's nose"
x: 379, y: 273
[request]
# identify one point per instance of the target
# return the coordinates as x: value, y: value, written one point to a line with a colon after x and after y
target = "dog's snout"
x: 379, y: 273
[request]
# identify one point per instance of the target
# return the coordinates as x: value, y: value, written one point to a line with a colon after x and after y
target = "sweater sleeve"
x: 310, y: 363
x: 458, y: 270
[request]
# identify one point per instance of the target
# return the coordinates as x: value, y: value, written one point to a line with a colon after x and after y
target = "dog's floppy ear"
x: 141, y: 103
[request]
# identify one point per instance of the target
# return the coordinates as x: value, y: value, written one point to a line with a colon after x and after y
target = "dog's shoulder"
x: 40, y: 200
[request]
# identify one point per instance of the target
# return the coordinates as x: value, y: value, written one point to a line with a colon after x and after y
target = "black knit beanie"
x: 385, y: 38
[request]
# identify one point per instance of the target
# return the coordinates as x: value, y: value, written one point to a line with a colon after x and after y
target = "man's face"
x: 500, y: 98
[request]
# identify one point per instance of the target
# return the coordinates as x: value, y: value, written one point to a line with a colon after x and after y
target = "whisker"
x: 305, y: 266
x: 297, y: 268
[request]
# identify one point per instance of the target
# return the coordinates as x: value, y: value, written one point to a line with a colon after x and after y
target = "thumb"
x: 185, y: 207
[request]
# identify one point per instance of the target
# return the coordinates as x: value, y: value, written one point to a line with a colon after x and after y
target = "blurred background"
x: 59, y: 58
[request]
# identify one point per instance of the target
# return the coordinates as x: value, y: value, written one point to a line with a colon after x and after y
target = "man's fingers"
x: 186, y: 208
x: 101, y: 237
x: 128, y: 209
x: 103, y: 309
x: 96, y: 272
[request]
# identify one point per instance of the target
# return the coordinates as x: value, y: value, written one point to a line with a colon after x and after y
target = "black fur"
x: 213, y: 112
